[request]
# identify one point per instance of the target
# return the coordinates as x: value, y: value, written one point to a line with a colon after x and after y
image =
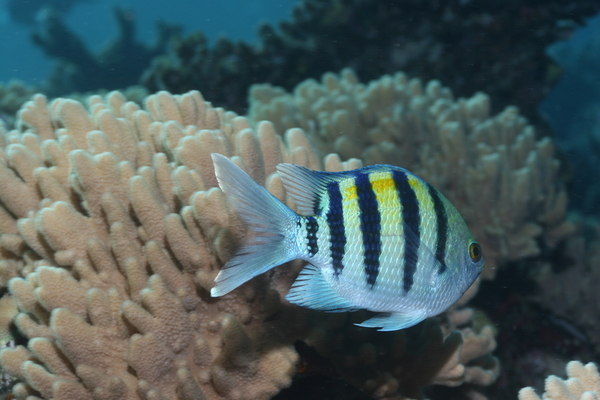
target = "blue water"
x: 95, y: 23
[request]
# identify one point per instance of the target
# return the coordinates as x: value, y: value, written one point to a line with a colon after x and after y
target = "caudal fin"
x: 269, y: 221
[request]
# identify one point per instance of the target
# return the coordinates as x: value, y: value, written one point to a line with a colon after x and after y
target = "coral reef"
x: 118, y: 65
x: 495, y: 47
x: 583, y: 384
x: 501, y: 178
x: 498, y: 48
x: 111, y: 233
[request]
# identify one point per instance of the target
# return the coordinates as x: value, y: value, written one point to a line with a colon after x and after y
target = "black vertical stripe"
x: 311, y: 235
x: 442, y: 228
x: 411, y: 217
x: 370, y: 226
x: 337, y: 231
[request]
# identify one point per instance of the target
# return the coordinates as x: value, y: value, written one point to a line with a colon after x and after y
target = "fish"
x: 377, y: 238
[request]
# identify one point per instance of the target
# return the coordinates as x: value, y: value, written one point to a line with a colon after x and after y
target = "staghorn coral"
x: 111, y: 233
x: 500, y: 177
x: 583, y: 384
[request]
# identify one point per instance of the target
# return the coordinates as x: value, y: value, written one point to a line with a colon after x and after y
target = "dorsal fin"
x: 307, y: 187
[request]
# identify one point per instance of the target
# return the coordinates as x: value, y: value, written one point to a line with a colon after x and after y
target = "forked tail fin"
x: 270, y: 224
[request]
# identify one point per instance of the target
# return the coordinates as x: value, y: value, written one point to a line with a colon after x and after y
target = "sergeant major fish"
x: 377, y: 238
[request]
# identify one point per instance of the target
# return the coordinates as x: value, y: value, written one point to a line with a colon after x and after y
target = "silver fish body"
x: 377, y: 238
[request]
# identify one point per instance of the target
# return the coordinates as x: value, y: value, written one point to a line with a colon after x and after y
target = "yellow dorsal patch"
x: 349, y: 191
x: 382, y: 182
x: 384, y: 188
x: 388, y: 205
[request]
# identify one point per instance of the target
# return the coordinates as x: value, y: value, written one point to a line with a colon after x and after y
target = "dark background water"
x: 573, y: 110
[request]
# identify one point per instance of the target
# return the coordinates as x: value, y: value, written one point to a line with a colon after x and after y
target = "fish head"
x: 473, y: 264
x: 466, y: 260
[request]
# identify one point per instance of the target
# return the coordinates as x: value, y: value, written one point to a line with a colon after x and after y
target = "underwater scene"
x: 299, y: 199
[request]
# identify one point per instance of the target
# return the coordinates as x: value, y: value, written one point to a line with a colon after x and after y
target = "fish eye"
x: 475, y: 251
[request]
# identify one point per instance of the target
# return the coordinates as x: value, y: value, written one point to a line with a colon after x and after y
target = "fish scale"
x: 378, y: 238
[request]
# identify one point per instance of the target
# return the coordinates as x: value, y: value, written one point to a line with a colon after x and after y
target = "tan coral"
x: 496, y: 172
x: 583, y: 383
x: 8, y: 312
x: 112, y: 231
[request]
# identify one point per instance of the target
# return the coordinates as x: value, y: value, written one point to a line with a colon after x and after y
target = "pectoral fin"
x: 312, y: 290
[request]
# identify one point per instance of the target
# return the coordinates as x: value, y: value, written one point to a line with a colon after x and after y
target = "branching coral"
x: 112, y: 231
x: 583, y: 384
x: 501, y: 178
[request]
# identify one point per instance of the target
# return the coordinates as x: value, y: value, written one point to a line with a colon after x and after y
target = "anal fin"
x: 392, y: 321
x: 311, y: 290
